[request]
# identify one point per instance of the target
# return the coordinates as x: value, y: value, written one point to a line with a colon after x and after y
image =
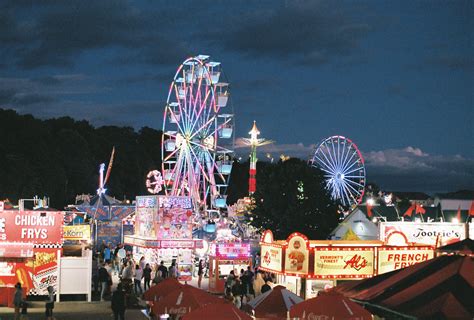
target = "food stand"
x: 30, y: 248
x: 308, y: 266
x: 225, y: 257
x: 163, y: 232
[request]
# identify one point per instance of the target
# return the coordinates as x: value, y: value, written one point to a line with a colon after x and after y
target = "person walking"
x: 173, y: 270
x: 266, y: 287
x: 163, y: 269
x: 138, y: 279
x: 237, y: 293
x: 18, y: 300
x: 107, y: 254
x: 104, y: 281
x: 49, y: 306
x: 200, y: 272
x: 158, y: 278
x: 229, y: 282
x: 258, y: 283
x: 119, y: 303
x: 147, y: 276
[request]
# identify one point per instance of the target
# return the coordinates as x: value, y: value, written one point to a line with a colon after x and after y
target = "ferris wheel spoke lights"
x: 343, y: 167
x: 194, y: 148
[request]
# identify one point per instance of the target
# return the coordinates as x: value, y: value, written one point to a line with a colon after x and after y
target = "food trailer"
x: 30, y: 248
x: 306, y: 266
x: 225, y: 257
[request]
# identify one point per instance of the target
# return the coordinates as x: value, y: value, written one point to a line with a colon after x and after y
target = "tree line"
x: 60, y: 158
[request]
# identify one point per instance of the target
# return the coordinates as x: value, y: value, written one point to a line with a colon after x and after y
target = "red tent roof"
x: 217, y: 311
x: 448, y: 280
x: 183, y: 300
x: 161, y: 289
x: 274, y: 303
x: 331, y: 305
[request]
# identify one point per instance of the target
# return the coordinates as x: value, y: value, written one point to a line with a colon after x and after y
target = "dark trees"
x: 291, y: 197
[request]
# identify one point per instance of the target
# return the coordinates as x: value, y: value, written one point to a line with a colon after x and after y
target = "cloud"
x: 311, y: 32
x: 411, y: 169
x: 58, y: 35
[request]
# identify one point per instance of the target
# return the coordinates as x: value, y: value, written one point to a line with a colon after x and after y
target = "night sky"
x: 394, y: 76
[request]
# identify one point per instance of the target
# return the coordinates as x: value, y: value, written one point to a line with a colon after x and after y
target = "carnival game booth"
x: 107, y: 214
x: 306, y: 267
x: 225, y: 257
x: 30, y: 249
x: 163, y: 232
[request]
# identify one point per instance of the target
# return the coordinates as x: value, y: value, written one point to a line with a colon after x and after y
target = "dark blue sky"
x: 396, y: 77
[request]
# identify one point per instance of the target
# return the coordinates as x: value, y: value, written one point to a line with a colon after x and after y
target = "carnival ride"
x: 343, y: 168
x: 198, y: 140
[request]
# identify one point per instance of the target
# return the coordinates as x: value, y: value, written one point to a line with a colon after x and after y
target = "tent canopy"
x: 217, y: 311
x: 274, y: 303
x: 447, y: 279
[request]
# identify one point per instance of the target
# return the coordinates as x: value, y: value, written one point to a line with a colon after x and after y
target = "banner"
x: 297, y: 255
x: 35, y: 274
x: 77, y: 232
x: 233, y: 250
x: 424, y: 232
x: 344, y: 263
x: 39, y: 227
x: 390, y: 259
x: 271, y: 257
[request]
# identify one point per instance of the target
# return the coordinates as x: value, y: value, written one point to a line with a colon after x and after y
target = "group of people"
x: 241, y: 288
x: 21, y: 306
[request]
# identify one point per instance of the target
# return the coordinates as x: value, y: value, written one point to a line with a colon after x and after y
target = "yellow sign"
x: 77, y: 232
x: 344, y: 263
x: 390, y: 259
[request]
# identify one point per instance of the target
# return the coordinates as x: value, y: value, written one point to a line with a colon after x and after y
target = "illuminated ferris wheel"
x: 343, y: 167
x: 197, y: 143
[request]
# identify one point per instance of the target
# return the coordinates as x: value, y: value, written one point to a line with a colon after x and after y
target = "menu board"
x: 344, y: 263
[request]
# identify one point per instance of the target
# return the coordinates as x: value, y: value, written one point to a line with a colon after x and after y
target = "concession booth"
x: 225, y: 257
x: 164, y: 232
x: 306, y: 266
x: 30, y: 248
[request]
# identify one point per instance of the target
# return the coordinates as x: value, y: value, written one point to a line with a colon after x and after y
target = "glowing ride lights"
x: 343, y: 167
x: 197, y: 143
x: 254, y: 142
x: 154, y: 181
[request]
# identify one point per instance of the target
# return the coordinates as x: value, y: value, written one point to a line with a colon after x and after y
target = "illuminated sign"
x: 233, y: 250
x: 297, y: 255
x: 424, y: 232
x: 344, y: 263
x: 390, y: 259
x: 31, y: 226
x: 77, y: 232
x: 271, y: 258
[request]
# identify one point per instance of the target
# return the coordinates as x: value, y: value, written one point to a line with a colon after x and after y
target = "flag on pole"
x: 419, y: 209
x: 369, y: 210
x: 458, y: 214
x: 409, y: 210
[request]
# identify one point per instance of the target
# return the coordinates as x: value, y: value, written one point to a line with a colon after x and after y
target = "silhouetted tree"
x: 291, y: 196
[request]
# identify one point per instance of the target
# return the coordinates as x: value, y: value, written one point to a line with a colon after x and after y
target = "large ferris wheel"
x: 343, y: 169
x: 197, y: 143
